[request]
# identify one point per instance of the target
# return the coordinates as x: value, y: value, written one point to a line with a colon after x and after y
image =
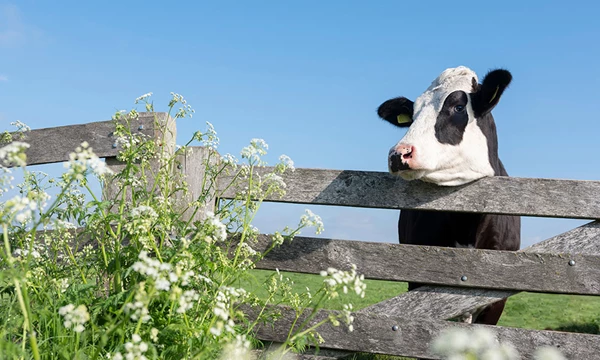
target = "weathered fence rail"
x: 458, y: 280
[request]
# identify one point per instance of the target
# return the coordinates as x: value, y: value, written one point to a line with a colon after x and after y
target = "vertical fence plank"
x: 192, y: 168
x: 163, y: 131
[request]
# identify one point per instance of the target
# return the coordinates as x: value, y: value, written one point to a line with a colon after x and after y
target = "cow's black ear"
x: 487, y: 95
x: 398, y: 111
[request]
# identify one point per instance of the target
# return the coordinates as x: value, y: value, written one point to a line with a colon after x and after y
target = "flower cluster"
x: 21, y: 127
x: 345, y: 279
x: 253, y: 152
x: 222, y: 307
x: 310, y: 219
x: 83, y: 159
x: 19, y: 207
x: 214, y: 230
x: 285, y: 163
x: 74, y: 317
x: 143, y: 97
x: 135, y: 349
x: 138, y: 309
x: 141, y: 220
x: 162, y: 273
x: 14, y: 154
x: 481, y: 343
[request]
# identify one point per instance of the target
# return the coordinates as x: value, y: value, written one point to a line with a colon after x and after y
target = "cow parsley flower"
x: 83, y: 159
x: 14, y: 154
x: 154, y: 269
x: 346, y: 279
x: 286, y: 163
x: 548, y: 353
x: 136, y: 348
x: 74, y: 317
x: 143, y: 97
x: 214, y: 229
x: 19, y: 207
x: 138, y: 310
x: 253, y: 152
x: 21, y: 127
x: 186, y: 300
x: 479, y: 343
x: 141, y: 219
x: 310, y: 219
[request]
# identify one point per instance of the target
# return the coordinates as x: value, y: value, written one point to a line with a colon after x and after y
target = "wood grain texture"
x: 191, y: 167
x: 501, y: 270
x: 446, y: 303
x: 52, y: 145
x: 163, y: 131
x: 494, y: 195
x: 373, y: 333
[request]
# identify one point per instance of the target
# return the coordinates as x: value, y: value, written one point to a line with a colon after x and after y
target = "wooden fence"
x: 459, y: 280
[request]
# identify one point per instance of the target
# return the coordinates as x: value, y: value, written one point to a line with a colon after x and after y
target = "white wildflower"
x: 14, y: 153
x: 287, y: 163
x: 229, y: 160
x: 143, y: 97
x: 138, y: 310
x: 548, y: 353
x: 136, y: 348
x: 19, y: 207
x: 155, y: 270
x: 141, y: 220
x: 253, y: 152
x: 216, y: 230
x: 238, y: 349
x: 246, y: 249
x: 21, y: 127
x: 346, y: 279
x: 83, y: 159
x: 23, y: 253
x: 186, y: 300
x: 74, y: 317
x: 154, y: 334
x: 310, y: 219
x: 272, y: 179
x: 277, y: 238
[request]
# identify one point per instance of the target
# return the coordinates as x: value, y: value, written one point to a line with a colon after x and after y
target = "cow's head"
x: 452, y: 136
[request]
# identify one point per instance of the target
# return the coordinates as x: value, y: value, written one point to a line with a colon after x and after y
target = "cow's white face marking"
x: 434, y: 161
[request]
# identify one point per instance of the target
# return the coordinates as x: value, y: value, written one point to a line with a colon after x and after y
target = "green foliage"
x: 135, y: 275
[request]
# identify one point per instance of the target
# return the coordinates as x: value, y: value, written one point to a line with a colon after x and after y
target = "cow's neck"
x: 488, y: 128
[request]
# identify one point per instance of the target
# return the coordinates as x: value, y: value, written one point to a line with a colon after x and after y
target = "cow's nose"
x: 406, y: 151
x: 400, y: 157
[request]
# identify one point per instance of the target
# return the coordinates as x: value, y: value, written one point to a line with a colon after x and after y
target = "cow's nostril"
x: 407, y: 155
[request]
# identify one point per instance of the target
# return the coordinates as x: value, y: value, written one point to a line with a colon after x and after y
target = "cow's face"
x: 452, y: 137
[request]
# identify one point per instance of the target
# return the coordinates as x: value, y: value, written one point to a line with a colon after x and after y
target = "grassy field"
x: 524, y: 310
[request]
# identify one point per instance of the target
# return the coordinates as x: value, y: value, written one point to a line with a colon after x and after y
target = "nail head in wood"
x: 571, y: 262
x: 395, y: 328
x: 114, y: 145
x: 463, y: 278
x: 141, y: 127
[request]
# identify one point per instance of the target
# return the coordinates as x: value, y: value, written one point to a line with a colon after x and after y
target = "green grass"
x: 524, y: 310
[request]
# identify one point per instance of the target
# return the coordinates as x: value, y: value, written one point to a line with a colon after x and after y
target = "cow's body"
x: 452, y: 141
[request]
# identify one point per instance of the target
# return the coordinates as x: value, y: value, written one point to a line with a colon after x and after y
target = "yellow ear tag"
x: 403, y: 119
x: 495, y: 93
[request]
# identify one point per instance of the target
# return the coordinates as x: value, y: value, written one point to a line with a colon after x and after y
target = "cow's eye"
x: 459, y: 108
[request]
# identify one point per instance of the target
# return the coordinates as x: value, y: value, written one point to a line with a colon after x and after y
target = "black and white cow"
x: 451, y: 140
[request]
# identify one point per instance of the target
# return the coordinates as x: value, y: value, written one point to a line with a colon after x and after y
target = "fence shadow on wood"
x: 459, y: 280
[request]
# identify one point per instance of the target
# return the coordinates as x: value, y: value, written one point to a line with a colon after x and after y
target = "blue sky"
x: 307, y: 76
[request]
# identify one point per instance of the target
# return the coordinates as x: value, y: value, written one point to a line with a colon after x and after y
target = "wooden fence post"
x: 191, y: 167
x: 163, y: 131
